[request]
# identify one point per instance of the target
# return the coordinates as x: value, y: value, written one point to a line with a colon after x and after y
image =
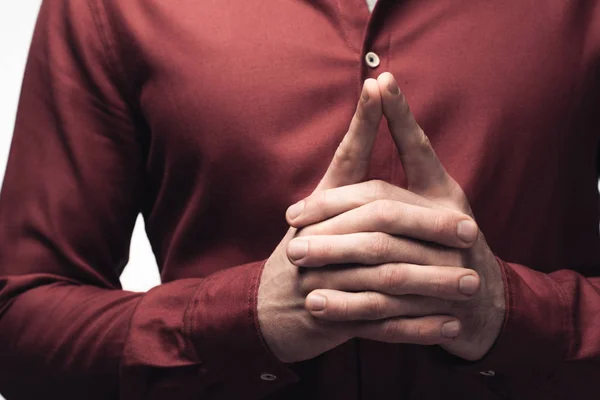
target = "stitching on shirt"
x: 114, y: 69
x: 100, y: 30
x: 566, y: 319
x: 345, y: 33
x: 129, y: 327
x: 190, y: 320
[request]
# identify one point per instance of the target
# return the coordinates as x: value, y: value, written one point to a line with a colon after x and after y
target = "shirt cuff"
x: 534, y: 337
x: 226, y: 336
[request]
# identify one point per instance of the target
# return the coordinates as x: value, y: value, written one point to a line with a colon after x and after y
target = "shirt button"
x: 372, y: 59
x: 487, y: 373
x: 267, y: 377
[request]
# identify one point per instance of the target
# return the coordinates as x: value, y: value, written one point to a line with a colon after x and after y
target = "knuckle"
x: 391, y: 331
x: 378, y: 189
x: 437, y: 284
x: 383, y: 211
x: 378, y: 246
x: 422, y: 334
x: 374, y: 307
x: 339, y: 309
x: 318, y: 200
x: 422, y: 254
x: 440, y: 223
x: 343, y: 154
x: 392, y: 278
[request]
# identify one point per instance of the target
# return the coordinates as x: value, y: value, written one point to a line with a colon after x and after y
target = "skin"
x: 371, y: 260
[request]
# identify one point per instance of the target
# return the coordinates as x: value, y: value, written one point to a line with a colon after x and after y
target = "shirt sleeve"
x: 71, y: 194
x: 552, y: 319
x: 549, y: 320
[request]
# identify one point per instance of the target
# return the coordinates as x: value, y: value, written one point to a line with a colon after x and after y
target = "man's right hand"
x: 288, y: 329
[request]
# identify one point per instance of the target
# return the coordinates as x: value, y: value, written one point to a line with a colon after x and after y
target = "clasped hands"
x: 372, y: 260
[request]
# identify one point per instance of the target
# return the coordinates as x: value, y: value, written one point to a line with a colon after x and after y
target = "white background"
x: 17, y: 19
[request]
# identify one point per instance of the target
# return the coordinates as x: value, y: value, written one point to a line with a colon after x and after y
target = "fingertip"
x: 370, y: 93
x: 364, y: 96
x: 370, y: 85
x: 384, y: 77
x: 387, y: 84
x: 467, y: 231
x: 451, y: 329
x: 315, y: 302
x: 297, y: 250
x: 469, y: 284
x: 293, y: 212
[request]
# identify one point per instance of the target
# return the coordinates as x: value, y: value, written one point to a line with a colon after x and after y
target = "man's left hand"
x: 409, y: 235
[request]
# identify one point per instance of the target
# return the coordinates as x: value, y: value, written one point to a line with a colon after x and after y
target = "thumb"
x: 352, y: 158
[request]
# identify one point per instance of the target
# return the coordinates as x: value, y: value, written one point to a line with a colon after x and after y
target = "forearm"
x: 193, y: 337
x: 551, y: 319
x: 69, y: 340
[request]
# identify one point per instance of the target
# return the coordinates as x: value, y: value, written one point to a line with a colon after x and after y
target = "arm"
x: 550, y: 319
x: 72, y: 191
x: 520, y: 323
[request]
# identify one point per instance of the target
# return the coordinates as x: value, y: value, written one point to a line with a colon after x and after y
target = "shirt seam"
x: 567, y: 320
x: 190, y: 320
x: 343, y: 23
x: 127, y: 336
x: 100, y: 18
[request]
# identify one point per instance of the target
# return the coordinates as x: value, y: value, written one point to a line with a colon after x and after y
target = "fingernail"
x: 392, y: 85
x: 315, y: 302
x: 364, y: 94
x: 451, y: 329
x: 297, y: 249
x: 467, y: 231
x: 468, y: 285
x: 295, y: 210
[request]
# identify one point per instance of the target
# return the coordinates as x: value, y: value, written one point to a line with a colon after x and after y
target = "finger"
x: 448, y: 283
x: 439, y: 225
x: 325, y: 204
x: 429, y: 330
x: 335, y: 305
x: 423, y: 169
x: 351, y: 160
x: 369, y: 248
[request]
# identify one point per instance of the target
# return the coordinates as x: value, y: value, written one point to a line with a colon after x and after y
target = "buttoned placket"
x: 366, y: 35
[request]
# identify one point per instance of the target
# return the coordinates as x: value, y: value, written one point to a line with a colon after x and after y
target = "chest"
x: 248, y: 100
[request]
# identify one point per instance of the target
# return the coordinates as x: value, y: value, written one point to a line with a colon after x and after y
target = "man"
x: 211, y: 118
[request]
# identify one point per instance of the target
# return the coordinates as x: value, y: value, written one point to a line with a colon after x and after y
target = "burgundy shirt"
x: 211, y: 117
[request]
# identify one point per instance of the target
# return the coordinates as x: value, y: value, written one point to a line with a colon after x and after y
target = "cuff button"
x: 267, y: 377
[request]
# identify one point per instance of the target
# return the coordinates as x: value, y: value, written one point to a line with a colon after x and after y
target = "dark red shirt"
x: 211, y: 117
